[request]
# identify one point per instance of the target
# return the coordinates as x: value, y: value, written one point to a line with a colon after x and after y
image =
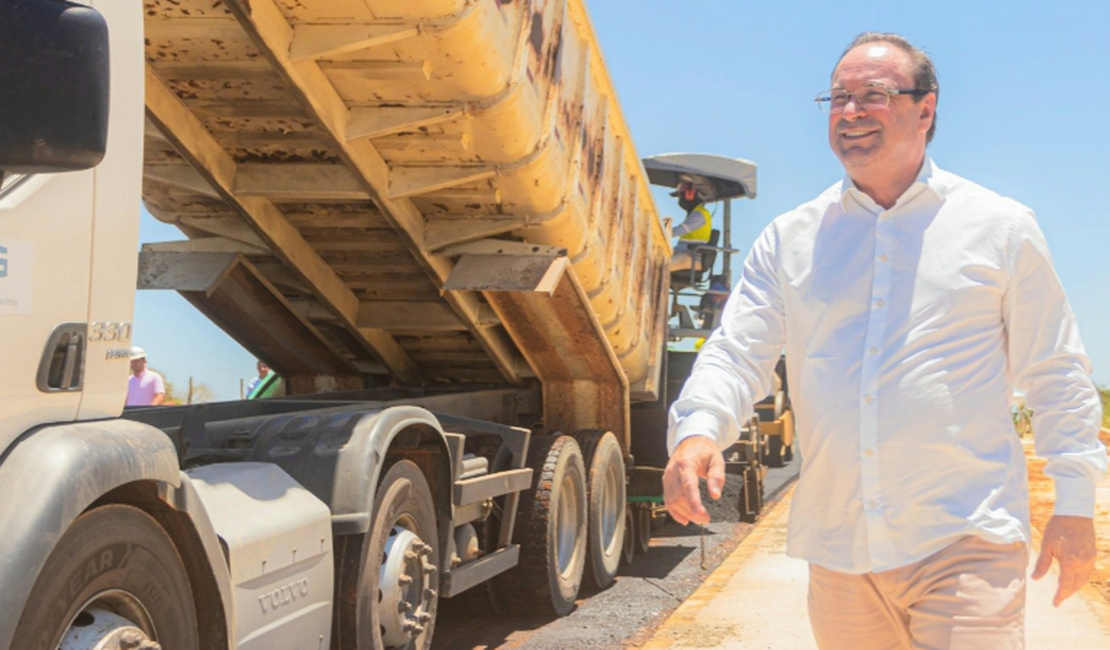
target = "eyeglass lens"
x: 835, y: 101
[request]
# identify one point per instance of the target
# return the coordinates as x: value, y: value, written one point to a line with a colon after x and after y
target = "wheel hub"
x: 96, y: 628
x: 407, y: 595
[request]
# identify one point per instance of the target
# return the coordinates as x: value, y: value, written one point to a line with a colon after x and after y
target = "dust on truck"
x: 428, y: 216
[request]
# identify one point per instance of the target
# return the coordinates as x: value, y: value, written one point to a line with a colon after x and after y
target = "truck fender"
x: 52, y: 474
x: 343, y: 467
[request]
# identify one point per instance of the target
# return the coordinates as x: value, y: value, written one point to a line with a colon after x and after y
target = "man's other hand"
x: 1071, y: 540
x: 694, y: 458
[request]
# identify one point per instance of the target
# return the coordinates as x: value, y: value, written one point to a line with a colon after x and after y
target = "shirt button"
x: 880, y: 303
x: 869, y: 398
x: 869, y: 452
x: 873, y: 350
x: 884, y: 258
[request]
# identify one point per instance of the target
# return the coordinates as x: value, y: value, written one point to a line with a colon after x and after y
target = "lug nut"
x: 424, y: 618
x: 430, y: 593
x: 410, y: 555
x: 404, y: 606
x: 404, y: 579
x: 429, y: 569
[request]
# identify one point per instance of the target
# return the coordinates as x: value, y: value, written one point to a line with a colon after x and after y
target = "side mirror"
x: 54, y: 86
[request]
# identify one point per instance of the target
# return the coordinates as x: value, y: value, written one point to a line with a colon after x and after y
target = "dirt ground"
x: 1042, y: 496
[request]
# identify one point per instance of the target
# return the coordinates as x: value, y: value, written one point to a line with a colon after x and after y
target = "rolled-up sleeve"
x: 736, y: 365
x: 1048, y: 362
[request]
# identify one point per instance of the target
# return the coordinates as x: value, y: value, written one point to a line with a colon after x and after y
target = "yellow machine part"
x: 518, y: 106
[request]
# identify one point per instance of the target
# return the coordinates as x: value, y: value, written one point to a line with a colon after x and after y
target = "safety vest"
x: 701, y: 234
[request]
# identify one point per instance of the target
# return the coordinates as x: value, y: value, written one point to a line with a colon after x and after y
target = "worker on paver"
x: 144, y: 387
x: 694, y: 231
x: 911, y: 302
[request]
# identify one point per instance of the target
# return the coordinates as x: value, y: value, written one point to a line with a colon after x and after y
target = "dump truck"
x: 428, y: 216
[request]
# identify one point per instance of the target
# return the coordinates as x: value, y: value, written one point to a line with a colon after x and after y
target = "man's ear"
x: 928, y: 111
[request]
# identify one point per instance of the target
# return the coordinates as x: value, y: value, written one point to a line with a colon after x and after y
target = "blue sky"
x: 1024, y: 110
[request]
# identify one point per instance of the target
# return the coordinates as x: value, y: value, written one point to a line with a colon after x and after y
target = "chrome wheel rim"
x: 567, y: 524
x: 111, y: 620
x: 406, y: 595
x: 612, y: 510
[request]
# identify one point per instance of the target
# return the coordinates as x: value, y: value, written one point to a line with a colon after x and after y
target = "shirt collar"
x: 930, y: 178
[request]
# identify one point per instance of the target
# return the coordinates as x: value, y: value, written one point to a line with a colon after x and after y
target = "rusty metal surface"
x: 583, y: 383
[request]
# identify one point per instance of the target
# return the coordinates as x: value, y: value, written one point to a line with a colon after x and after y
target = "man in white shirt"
x: 911, y: 302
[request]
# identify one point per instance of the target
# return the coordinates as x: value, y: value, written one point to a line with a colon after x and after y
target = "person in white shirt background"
x: 911, y: 303
x: 144, y: 387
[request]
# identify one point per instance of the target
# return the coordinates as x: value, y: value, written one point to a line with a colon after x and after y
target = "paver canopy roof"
x: 716, y: 177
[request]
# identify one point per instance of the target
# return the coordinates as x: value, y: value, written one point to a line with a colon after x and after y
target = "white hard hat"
x: 137, y: 353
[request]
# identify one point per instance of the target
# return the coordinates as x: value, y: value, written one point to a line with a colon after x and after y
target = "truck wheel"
x: 114, y: 579
x: 605, y: 488
x: 551, y: 528
x: 388, y: 584
x: 643, y: 528
x: 628, y: 547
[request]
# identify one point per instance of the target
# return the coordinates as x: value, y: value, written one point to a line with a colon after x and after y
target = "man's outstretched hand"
x: 1071, y: 540
x: 694, y: 458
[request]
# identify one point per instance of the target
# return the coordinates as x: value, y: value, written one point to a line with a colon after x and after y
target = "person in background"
x: 263, y: 371
x: 911, y: 302
x: 144, y: 387
x: 694, y: 231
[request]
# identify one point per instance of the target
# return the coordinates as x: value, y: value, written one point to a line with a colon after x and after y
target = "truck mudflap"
x: 50, y: 476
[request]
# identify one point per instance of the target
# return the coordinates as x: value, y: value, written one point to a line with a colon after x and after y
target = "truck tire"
x: 643, y: 528
x: 605, y: 487
x: 387, y: 582
x: 551, y: 528
x: 115, y: 576
x: 628, y: 548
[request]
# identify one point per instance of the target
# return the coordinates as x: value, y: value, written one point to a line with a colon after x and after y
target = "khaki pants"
x: 968, y: 596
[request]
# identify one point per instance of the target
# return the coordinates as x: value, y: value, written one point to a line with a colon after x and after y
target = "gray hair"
x: 924, y: 72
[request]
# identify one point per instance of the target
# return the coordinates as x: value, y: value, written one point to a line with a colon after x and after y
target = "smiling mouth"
x: 857, y: 134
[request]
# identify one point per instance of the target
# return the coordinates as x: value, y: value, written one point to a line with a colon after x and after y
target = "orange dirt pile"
x: 1042, y: 495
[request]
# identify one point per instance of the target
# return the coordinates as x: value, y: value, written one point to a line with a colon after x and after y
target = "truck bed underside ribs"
x: 343, y: 158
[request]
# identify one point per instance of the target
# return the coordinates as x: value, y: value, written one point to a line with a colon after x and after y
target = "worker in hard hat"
x: 144, y: 387
x: 694, y: 231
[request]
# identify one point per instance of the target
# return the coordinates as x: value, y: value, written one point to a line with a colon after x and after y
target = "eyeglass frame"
x: 826, y: 96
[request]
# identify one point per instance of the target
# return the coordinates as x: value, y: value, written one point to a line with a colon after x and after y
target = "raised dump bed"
x: 334, y: 159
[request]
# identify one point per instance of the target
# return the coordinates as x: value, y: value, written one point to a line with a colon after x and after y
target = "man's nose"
x: 852, y: 109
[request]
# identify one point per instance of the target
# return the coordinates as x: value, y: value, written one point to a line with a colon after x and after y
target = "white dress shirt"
x: 906, y: 331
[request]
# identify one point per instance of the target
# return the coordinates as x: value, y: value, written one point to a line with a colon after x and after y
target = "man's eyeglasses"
x: 871, y: 98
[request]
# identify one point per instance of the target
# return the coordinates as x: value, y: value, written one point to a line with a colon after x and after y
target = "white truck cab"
x: 71, y: 156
